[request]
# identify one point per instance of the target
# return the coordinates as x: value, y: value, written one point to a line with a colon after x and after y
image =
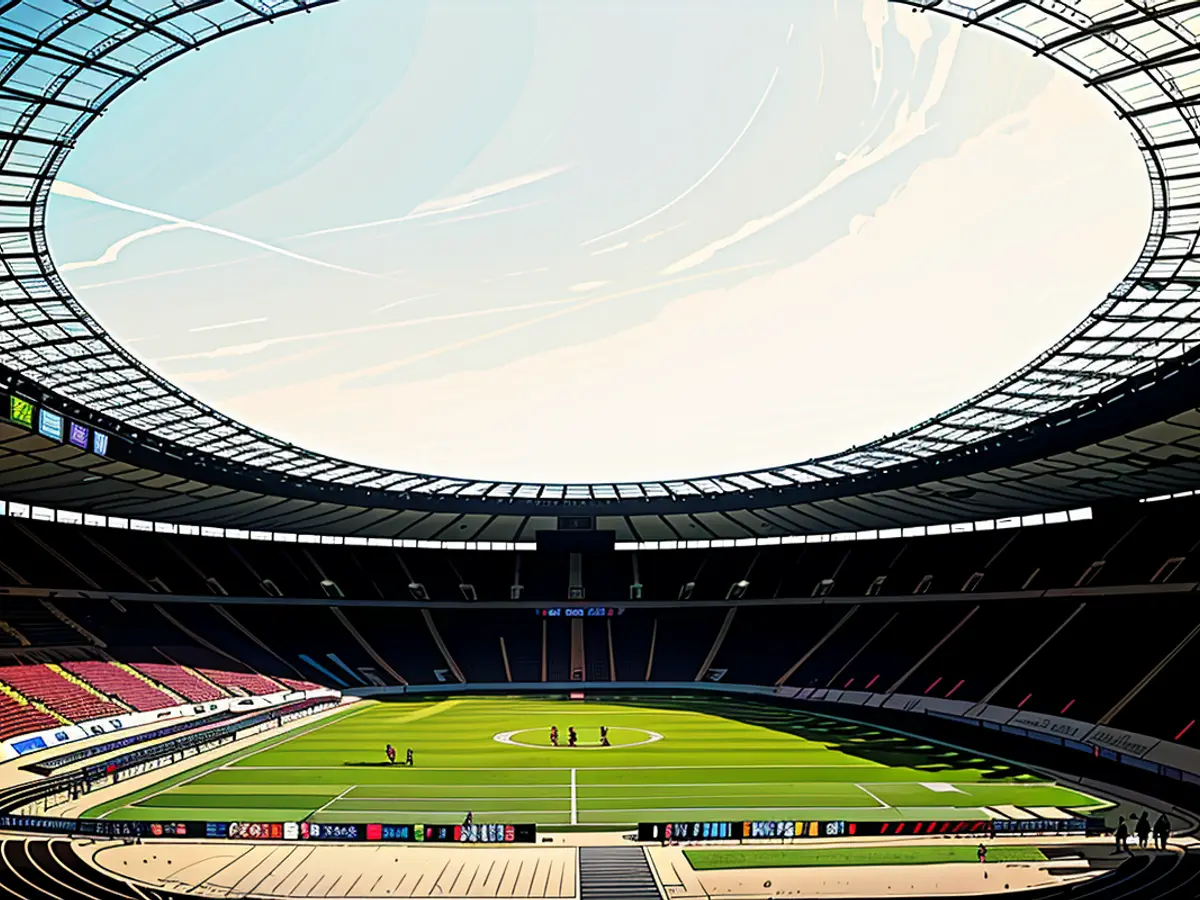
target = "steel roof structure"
x: 65, y: 61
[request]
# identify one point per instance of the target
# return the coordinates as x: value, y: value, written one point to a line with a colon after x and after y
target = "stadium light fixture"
x: 417, y: 591
x: 737, y: 590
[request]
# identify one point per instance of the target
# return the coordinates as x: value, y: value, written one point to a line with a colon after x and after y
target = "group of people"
x: 391, y: 755
x: 573, y: 737
x: 1142, y: 828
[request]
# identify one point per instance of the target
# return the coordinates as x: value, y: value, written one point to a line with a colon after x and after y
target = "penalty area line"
x: 874, y: 797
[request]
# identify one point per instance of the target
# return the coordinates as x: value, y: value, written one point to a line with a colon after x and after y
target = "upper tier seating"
x: 64, y: 697
x: 249, y: 683
x: 186, y: 684
x: 116, y: 682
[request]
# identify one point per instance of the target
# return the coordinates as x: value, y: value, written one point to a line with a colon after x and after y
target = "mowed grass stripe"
x: 769, y: 763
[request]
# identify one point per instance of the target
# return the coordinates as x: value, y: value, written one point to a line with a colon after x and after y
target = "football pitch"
x: 670, y: 759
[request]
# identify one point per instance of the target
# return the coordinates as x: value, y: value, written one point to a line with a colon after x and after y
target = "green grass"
x: 718, y: 760
x: 853, y: 856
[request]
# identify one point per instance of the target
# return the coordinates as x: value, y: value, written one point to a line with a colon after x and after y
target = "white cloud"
x: 223, y: 325
x: 907, y: 127
x: 961, y: 277
x: 612, y: 249
x: 585, y: 286
x: 703, y: 178
x: 450, y: 204
x: 114, y: 250
x: 76, y: 192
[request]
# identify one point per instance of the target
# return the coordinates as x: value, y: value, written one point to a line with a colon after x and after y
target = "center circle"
x: 615, y: 735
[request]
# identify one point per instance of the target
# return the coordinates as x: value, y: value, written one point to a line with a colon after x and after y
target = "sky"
x: 597, y: 240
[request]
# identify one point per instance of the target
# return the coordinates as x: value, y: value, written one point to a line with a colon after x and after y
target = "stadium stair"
x: 15, y: 635
x: 362, y: 642
x: 616, y: 873
x: 250, y: 635
x: 716, y: 645
x: 441, y: 645
x: 72, y: 624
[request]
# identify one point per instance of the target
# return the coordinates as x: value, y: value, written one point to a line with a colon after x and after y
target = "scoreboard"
x: 583, y: 612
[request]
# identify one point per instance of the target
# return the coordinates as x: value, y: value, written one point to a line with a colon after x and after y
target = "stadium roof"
x: 64, y: 62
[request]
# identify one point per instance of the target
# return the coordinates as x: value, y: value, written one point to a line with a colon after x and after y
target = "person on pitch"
x: 553, y: 735
x: 571, y: 737
x: 469, y: 820
x: 604, y: 736
x: 391, y: 754
x: 408, y: 757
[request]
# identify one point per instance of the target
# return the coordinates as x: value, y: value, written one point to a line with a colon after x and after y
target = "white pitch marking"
x: 874, y: 797
x: 941, y: 787
x: 330, y: 803
x: 506, y: 737
x: 574, y: 806
x: 253, y: 750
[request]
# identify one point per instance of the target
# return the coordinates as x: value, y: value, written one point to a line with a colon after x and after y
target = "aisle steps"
x: 616, y: 873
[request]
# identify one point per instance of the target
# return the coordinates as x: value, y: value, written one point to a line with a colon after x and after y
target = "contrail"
x: 79, y: 193
x: 114, y: 250
x: 449, y: 204
x: 703, y: 178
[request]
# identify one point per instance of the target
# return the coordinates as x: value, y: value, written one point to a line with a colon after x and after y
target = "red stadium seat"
x: 247, y: 682
x: 117, y: 682
x: 62, y: 696
x: 184, y: 682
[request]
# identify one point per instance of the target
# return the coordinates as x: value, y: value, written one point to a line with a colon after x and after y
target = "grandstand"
x: 978, y: 630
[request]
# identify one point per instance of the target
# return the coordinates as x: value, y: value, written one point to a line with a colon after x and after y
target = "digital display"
x: 671, y: 832
x: 20, y: 411
x: 99, y: 443
x: 278, y: 831
x: 318, y: 832
x: 50, y: 424
x: 78, y: 436
x: 589, y: 612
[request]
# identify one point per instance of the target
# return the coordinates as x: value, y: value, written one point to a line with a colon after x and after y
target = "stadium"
x: 952, y: 660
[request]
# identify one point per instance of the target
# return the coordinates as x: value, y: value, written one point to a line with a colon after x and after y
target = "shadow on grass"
x: 870, y: 743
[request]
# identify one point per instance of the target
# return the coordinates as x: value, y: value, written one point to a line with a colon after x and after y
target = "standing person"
x: 1162, y: 831
x: 553, y: 735
x: 982, y: 853
x: 603, y: 735
x: 571, y: 736
x: 469, y: 820
x: 408, y: 757
x: 1121, y: 835
x: 1143, y: 830
x: 391, y: 754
